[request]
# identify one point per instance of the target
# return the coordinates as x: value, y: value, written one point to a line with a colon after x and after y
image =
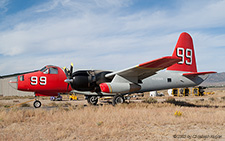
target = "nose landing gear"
x: 37, y: 104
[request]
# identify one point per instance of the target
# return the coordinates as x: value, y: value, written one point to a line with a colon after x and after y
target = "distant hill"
x: 216, y: 79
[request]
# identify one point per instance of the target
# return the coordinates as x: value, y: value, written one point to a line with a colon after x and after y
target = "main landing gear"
x: 117, y: 99
x: 93, y: 100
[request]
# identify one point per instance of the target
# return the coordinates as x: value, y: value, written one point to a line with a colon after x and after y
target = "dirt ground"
x: 182, y: 118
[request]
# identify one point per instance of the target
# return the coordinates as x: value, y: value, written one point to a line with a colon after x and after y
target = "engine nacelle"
x: 82, y: 81
x: 88, y: 80
x: 119, y: 87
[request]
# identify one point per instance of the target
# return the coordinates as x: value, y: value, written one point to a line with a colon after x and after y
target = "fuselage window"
x: 169, y: 80
x: 53, y: 71
x: 22, y: 78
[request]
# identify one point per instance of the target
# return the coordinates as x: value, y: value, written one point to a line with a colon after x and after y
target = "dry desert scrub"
x: 136, y: 121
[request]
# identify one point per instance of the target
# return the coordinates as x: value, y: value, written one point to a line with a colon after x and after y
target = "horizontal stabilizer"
x: 198, y: 73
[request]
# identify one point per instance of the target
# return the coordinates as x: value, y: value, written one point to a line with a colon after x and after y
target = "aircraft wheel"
x: 118, y: 99
x: 37, y: 104
x: 93, y: 100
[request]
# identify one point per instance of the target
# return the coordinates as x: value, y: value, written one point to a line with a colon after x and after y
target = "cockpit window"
x: 53, y: 71
x: 43, y: 69
x: 49, y: 70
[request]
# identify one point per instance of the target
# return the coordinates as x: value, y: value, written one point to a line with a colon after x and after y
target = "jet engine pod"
x: 119, y: 87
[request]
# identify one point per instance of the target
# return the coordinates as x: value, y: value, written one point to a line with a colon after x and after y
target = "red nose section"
x: 104, y: 87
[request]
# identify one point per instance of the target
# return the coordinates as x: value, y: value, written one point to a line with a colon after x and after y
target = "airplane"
x: 48, y: 81
x: 181, y: 72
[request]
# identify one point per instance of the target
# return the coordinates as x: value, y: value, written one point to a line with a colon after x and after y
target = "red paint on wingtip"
x: 184, y: 49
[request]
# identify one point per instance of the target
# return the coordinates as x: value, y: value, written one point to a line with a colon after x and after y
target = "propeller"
x: 66, y: 71
x: 71, y: 71
x: 69, y: 75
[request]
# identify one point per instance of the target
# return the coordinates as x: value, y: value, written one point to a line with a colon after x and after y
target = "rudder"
x: 184, y: 50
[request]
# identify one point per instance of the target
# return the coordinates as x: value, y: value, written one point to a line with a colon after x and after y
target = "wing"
x: 146, y: 69
x: 16, y: 74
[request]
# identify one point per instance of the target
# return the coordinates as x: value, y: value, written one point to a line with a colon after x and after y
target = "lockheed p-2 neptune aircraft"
x: 181, y: 72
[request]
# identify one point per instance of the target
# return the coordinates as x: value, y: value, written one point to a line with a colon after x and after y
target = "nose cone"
x: 13, y: 82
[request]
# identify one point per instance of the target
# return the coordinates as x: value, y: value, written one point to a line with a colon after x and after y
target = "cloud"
x: 3, y: 6
x: 102, y: 35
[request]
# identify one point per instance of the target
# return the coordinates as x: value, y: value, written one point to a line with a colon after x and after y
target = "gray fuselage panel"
x: 170, y: 79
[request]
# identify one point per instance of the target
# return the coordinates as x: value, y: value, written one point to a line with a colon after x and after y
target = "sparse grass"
x: 15, y: 97
x: 212, y: 99
x: 55, y: 104
x: 223, y: 98
x: 170, y: 100
x: 134, y: 121
x: 25, y: 105
x: 149, y: 100
x: 45, y: 98
x: 6, y: 106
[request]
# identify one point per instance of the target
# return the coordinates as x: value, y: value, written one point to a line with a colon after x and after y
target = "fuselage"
x: 170, y: 79
x: 160, y: 81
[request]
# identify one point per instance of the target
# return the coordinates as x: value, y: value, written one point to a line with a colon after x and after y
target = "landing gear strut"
x: 118, y: 99
x: 37, y: 104
x: 93, y: 100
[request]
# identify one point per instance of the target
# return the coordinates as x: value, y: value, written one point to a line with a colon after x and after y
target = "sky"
x: 107, y: 34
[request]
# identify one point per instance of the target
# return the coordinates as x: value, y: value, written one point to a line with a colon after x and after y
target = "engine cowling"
x: 88, y: 80
x: 82, y: 83
x: 119, y: 87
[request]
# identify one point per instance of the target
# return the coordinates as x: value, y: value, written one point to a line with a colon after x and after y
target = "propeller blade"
x: 71, y: 71
x: 66, y: 71
x: 67, y: 87
x: 69, y: 75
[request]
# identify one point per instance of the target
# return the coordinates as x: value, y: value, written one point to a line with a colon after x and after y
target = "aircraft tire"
x: 93, y: 100
x: 37, y: 104
x: 118, y: 99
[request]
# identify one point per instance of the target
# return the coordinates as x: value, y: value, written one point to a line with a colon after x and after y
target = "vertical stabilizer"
x: 184, y: 49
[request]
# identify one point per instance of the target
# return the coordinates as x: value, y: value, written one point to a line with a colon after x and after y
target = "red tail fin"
x: 185, y: 51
